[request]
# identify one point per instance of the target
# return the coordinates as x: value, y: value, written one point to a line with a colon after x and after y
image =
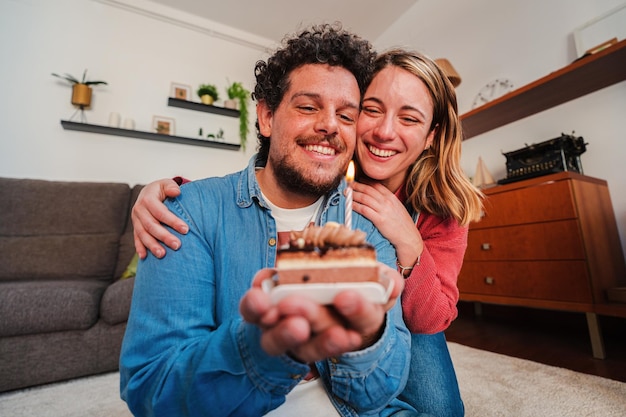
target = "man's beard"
x: 293, y: 180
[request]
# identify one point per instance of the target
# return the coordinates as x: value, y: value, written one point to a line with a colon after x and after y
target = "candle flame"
x: 350, y: 173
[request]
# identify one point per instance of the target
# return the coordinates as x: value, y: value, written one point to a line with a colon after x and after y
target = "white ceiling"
x: 273, y: 19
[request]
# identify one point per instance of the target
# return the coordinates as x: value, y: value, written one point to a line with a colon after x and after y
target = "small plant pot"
x: 231, y: 104
x: 81, y: 95
x: 206, y: 99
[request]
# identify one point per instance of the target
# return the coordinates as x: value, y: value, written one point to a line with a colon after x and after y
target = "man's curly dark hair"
x: 319, y: 44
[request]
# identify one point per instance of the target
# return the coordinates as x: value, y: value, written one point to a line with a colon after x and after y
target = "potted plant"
x: 219, y: 136
x: 236, y: 91
x: 208, y: 93
x: 81, y: 90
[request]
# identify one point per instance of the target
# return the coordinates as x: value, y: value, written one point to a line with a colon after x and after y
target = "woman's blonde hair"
x: 436, y: 183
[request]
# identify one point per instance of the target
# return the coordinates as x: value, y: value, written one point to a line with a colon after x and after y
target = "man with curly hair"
x: 201, y: 339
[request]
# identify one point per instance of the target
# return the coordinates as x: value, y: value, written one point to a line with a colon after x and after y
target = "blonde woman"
x: 412, y: 187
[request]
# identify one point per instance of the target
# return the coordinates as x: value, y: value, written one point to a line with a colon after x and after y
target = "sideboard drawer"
x: 536, y: 241
x: 547, y: 280
x: 545, y: 202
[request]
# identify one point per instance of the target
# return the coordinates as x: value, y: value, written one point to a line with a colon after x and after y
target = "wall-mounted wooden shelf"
x: 190, y: 105
x: 583, y: 76
x: 107, y: 130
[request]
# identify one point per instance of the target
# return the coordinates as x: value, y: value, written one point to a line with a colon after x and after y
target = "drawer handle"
x: 485, y: 246
x: 489, y: 280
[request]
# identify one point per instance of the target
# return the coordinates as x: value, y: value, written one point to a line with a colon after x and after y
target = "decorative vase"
x: 81, y: 95
x: 206, y: 99
x: 114, y: 119
x: 231, y: 104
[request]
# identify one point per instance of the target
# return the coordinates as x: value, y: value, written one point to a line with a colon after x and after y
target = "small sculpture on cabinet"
x: 482, y: 177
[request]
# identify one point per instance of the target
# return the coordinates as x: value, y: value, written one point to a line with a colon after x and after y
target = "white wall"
x: 523, y: 41
x: 139, y: 57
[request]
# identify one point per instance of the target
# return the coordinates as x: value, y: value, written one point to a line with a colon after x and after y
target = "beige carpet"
x: 491, y: 385
x: 498, y: 385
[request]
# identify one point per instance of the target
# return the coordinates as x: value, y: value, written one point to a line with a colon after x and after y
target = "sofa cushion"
x: 76, y: 256
x: 61, y: 230
x: 29, y: 307
x: 115, y: 304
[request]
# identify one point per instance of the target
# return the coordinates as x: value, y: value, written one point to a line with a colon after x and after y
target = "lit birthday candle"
x: 349, y: 180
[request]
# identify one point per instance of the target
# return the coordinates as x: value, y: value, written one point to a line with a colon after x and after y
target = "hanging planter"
x: 236, y: 92
x: 231, y: 104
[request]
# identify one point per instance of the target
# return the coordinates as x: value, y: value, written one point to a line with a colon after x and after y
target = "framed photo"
x: 163, y: 125
x: 601, y: 47
x: 180, y: 91
x: 595, y: 34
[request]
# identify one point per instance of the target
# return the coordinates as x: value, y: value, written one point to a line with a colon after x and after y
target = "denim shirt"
x: 188, y: 352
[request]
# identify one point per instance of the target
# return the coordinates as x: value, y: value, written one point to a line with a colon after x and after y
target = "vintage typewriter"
x: 554, y: 155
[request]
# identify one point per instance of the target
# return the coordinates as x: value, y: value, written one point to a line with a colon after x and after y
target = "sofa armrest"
x: 115, y: 305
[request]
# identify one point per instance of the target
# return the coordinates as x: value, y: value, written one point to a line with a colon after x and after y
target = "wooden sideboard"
x: 549, y: 242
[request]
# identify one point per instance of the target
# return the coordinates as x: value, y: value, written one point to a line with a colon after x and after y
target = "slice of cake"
x: 329, y: 254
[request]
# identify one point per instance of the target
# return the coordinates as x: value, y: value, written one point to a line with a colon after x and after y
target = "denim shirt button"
x: 272, y: 241
x: 296, y: 376
x: 334, y: 360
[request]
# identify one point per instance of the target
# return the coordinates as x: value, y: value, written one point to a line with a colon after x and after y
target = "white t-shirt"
x: 308, y: 395
x: 309, y: 399
x: 294, y: 219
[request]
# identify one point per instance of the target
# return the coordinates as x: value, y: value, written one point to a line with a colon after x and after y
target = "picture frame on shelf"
x: 595, y: 33
x: 601, y: 47
x: 163, y: 125
x: 180, y: 91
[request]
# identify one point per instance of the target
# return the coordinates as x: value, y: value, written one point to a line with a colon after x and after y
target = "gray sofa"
x: 63, y: 308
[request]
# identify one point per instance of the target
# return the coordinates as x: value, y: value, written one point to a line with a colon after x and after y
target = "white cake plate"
x: 375, y: 292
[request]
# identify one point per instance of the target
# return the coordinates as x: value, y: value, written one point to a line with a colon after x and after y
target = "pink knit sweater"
x: 430, y: 293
